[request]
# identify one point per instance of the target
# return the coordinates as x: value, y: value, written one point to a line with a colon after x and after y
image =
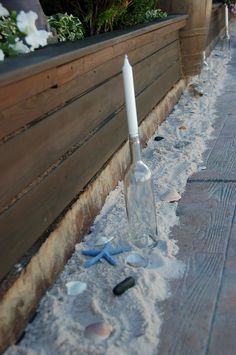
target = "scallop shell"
x: 182, y: 128
x: 202, y: 167
x: 103, y: 240
x: 74, y: 288
x: 98, y: 331
x: 171, y: 196
x: 136, y: 260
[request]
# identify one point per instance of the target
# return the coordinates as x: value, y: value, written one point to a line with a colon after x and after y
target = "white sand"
x: 135, y: 316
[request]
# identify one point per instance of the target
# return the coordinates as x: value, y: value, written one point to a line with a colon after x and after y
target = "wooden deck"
x: 200, y: 317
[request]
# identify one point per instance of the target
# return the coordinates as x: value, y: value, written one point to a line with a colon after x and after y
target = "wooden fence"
x: 217, y: 25
x: 63, y: 116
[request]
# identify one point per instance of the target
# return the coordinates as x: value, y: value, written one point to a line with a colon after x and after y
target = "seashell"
x: 170, y: 196
x: 182, y: 128
x: 195, y: 90
x: 74, y: 288
x: 98, y: 331
x: 136, y: 260
x: 103, y: 240
x: 202, y: 168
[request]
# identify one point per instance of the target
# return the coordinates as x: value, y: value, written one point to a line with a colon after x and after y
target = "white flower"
x: 37, y: 39
x: 3, y: 11
x: 20, y: 47
x: 1, y: 55
x: 26, y: 24
x: 26, y: 21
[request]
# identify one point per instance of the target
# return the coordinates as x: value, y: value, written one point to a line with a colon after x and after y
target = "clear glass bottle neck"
x: 135, y: 149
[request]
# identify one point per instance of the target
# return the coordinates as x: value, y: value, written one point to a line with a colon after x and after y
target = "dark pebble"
x: 123, y: 286
x: 20, y: 337
x: 158, y: 138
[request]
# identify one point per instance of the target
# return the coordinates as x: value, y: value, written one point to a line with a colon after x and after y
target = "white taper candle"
x: 130, y: 98
x: 227, y: 19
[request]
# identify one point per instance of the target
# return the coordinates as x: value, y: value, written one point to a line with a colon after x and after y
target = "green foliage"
x: 96, y: 16
x: 155, y: 14
x: 105, y: 15
x: 109, y: 18
x: 68, y: 27
x: 137, y: 12
x: 9, y: 33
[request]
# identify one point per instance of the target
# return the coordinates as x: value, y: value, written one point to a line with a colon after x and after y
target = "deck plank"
x: 206, y: 213
x: 221, y: 161
x: 224, y: 325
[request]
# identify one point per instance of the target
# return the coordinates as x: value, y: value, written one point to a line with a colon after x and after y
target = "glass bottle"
x: 204, y: 75
x: 139, y: 199
x: 138, y: 189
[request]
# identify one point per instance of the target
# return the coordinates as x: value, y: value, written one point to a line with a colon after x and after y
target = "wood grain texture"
x: 203, y: 243
x: 20, y: 90
x: 82, y: 65
x: 209, y: 208
x: 40, y: 206
x: 222, y: 336
x: 188, y: 314
x: 44, y: 202
x: 30, y: 153
x: 221, y: 163
x: 39, y: 105
x: 217, y: 23
x: 56, y: 55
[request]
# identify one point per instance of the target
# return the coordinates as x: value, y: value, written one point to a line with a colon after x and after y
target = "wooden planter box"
x: 217, y: 26
x: 63, y: 116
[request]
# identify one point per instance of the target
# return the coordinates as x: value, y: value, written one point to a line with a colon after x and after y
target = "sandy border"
x: 20, y: 300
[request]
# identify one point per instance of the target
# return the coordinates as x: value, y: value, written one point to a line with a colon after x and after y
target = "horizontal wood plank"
x: 31, y: 153
x: 223, y: 331
x: 158, y: 89
x: 221, y: 164
x: 21, y: 90
x: 56, y: 55
x: 189, y: 311
x: 212, y: 226
x: 203, y: 245
x: 69, y: 72
x: 85, y: 61
x: 23, y: 113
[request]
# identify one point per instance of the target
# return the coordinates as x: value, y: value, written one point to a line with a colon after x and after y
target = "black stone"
x: 123, y: 286
x: 158, y: 138
x: 20, y: 338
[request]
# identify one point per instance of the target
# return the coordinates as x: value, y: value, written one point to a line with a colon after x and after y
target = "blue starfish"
x: 106, y: 252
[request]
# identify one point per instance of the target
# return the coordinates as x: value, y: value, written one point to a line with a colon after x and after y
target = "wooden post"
x: 194, y: 35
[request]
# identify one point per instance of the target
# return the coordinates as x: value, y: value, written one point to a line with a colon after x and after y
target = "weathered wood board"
x: 206, y: 212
